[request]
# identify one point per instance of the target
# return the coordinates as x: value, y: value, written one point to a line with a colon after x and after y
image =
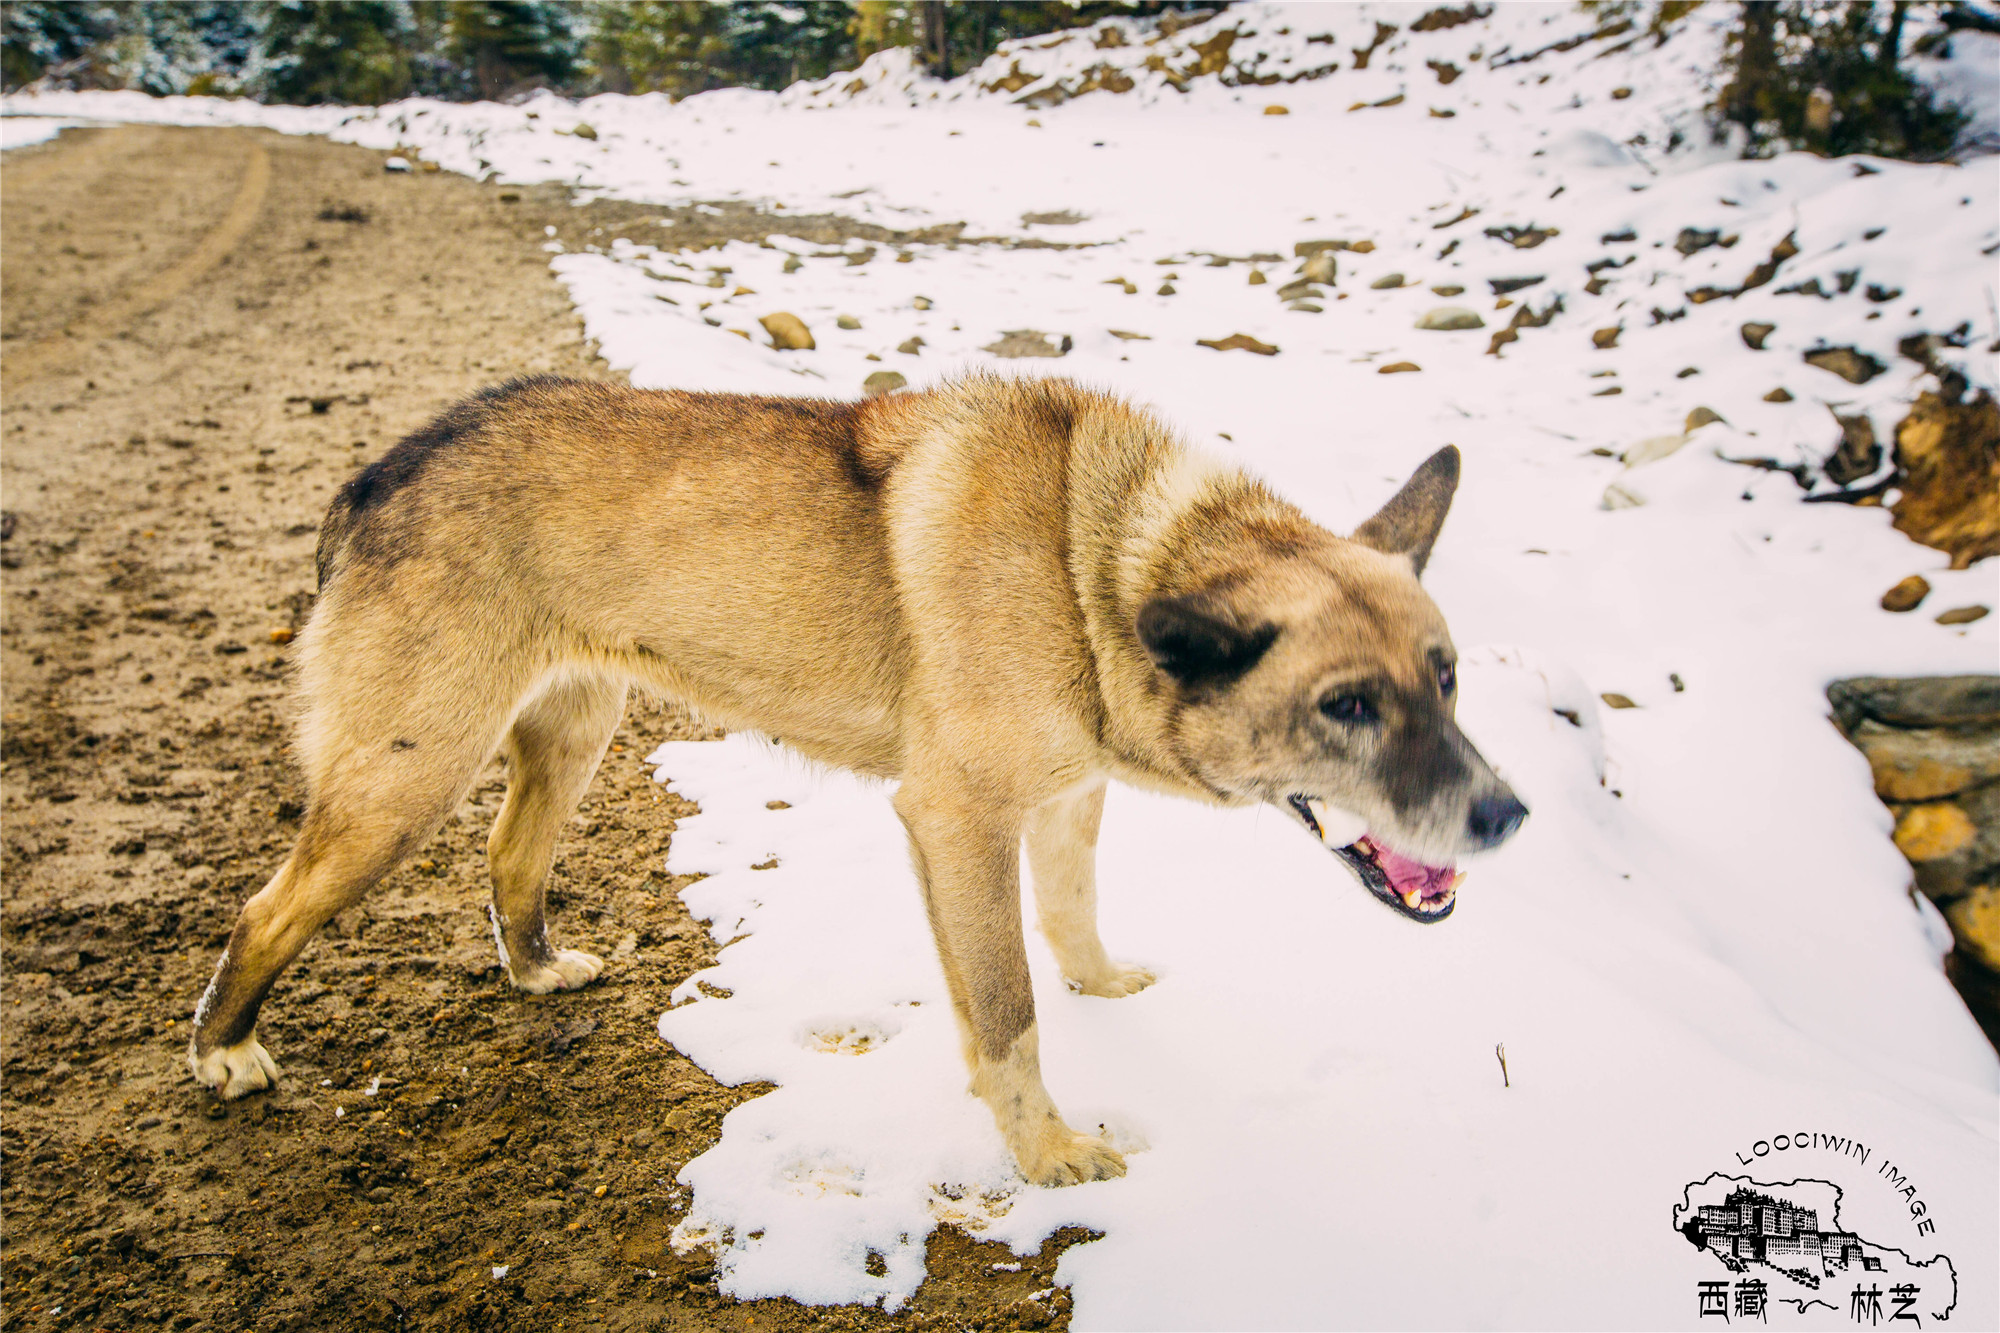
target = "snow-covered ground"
x: 1699, y: 955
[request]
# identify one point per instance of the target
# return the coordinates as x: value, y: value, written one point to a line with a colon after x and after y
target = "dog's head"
x: 1316, y: 674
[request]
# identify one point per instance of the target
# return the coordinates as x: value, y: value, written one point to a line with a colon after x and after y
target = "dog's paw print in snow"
x: 846, y: 1038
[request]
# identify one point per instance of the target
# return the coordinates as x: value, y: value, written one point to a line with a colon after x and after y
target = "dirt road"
x: 202, y: 334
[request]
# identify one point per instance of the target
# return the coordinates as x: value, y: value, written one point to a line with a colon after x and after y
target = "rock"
x: 1501, y: 286
x: 1319, y: 267
x: 1618, y: 497
x: 1398, y: 368
x: 584, y: 130
x: 909, y: 346
x: 1129, y: 287
x: 396, y: 164
x: 1948, y: 469
x: 1927, y: 763
x: 1916, y: 701
x: 1447, y: 318
x: 1448, y: 289
x: 788, y: 332
x: 1257, y: 278
x: 1620, y: 94
x: 1975, y: 924
x: 1027, y: 342
x: 428, y: 165
x: 1964, y: 615
x: 881, y: 382
x: 1907, y: 595
x: 793, y: 263
x: 1307, y: 307
x: 1852, y: 366
x: 1934, y: 831
x: 282, y: 634
x: 1605, y: 339
x: 1654, y: 449
x: 1238, y: 342
x: 1297, y: 290
x: 1857, y: 455
x: 1363, y: 247
x: 1166, y: 289
x: 1386, y: 282
x: 640, y: 1139
x: 1275, y: 110
x: 381, y: 1194
x: 1754, y: 335
x: 1617, y: 701
x: 1692, y: 240
x: 1701, y: 416
x: 847, y: 322
x: 922, y: 303
x: 1778, y: 395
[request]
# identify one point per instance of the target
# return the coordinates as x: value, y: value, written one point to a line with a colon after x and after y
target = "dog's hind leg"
x: 1062, y: 856
x: 555, y: 746
x: 372, y: 805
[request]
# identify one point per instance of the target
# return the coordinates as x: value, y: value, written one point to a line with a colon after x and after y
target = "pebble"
x: 1754, y: 335
x: 1319, y: 267
x: 1852, y: 366
x: 1448, y: 289
x: 881, y: 382
x: 910, y: 346
x: 1605, y: 339
x: 1257, y: 278
x: 922, y: 303
x: 1702, y: 416
x: 1446, y: 318
x: 1276, y: 110
x: 1907, y: 595
x: 1386, y: 282
x: 1166, y: 289
x: 1964, y: 615
x: 1238, y: 342
x: 847, y: 322
x: 1614, y: 700
x: 1778, y: 395
x: 1398, y: 368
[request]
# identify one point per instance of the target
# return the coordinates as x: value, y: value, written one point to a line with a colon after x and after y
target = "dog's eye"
x: 1353, y: 709
x: 1447, y: 678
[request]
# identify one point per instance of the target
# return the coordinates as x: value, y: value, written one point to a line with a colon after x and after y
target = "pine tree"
x: 57, y: 40
x: 510, y: 45
x: 351, y: 51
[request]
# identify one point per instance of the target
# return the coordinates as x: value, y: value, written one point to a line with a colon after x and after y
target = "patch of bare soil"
x: 202, y: 334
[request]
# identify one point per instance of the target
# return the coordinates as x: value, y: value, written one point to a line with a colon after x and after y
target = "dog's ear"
x: 1409, y: 523
x: 1200, y: 649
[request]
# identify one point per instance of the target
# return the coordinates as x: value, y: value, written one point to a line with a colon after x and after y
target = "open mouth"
x: 1421, y: 892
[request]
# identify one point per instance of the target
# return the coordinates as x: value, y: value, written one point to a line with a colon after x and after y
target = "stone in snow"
x: 1447, y: 318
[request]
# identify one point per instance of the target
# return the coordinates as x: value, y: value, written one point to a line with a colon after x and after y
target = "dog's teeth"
x: 1413, y: 899
x: 1319, y: 816
x: 1457, y: 880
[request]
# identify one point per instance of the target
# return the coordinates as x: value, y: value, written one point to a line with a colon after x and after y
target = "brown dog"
x: 1003, y: 594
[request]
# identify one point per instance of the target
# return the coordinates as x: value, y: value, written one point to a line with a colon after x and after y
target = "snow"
x: 21, y: 131
x: 1700, y: 940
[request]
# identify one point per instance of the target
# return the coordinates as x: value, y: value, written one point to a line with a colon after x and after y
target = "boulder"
x: 1948, y: 465
x: 1916, y: 701
x: 1927, y: 763
x: 788, y: 332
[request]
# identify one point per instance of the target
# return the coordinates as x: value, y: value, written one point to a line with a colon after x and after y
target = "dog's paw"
x: 1064, y: 1157
x: 234, y: 1071
x: 1119, y: 979
x: 566, y: 969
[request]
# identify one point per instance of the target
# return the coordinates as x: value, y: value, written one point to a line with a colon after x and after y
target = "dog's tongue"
x: 1405, y: 874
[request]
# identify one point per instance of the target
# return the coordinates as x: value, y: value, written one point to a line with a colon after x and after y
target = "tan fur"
x: 945, y: 588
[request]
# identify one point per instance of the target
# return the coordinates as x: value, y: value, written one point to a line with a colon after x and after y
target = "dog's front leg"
x: 1062, y: 854
x: 968, y: 860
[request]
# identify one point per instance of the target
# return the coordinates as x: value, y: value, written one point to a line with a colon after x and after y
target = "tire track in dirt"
x: 225, y: 236
x: 164, y: 472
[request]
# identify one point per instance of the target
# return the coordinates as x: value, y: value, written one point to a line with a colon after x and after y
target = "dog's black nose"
x: 1494, y: 819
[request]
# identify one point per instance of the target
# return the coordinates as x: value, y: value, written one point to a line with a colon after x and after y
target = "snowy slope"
x: 1700, y: 942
